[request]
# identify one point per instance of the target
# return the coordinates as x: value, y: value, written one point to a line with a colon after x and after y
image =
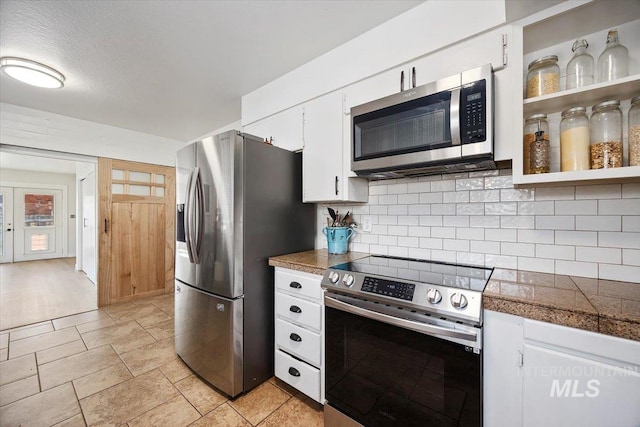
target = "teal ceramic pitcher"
x: 338, y: 239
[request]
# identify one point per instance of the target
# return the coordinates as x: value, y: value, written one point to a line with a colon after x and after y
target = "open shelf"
x: 601, y: 176
x: 587, y: 96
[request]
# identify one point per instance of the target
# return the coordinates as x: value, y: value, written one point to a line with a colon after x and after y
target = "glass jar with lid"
x: 574, y: 140
x: 606, y: 135
x: 580, y: 67
x: 540, y: 154
x: 533, y: 124
x: 634, y: 132
x: 613, y: 62
x: 543, y: 76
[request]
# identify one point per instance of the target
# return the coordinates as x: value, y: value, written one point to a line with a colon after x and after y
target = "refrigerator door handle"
x: 187, y: 220
x: 200, y: 216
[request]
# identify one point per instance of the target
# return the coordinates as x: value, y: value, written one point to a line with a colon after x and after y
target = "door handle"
x: 413, y: 77
x: 401, y: 81
x: 295, y: 337
x: 8, y: 229
x: 105, y: 225
x: 336, y: 185
x: 295, y: 285
x: 295, y: 309
x: 293, y: 371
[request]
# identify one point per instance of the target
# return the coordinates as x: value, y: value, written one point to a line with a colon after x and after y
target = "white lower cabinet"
x: 299, y: 331
x: 541, y: 374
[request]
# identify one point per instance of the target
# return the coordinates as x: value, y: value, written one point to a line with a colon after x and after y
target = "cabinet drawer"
x: 299, y: 311
x: 298, y: 374
x: 299, y: 283
x: 299, y: 341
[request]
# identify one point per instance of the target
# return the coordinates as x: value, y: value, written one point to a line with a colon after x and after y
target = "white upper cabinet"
x: 283, y: 129
x: 552, y: 32
x: 326, y: 174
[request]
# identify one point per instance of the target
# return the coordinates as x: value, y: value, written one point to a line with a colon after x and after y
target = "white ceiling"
x: 37, y: 164
x: 172, y: 68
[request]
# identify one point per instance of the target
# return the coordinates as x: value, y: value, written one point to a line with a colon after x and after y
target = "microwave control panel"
x: 473, y: 112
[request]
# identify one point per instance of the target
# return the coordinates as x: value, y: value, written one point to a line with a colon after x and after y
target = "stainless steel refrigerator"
x: 239, y: 201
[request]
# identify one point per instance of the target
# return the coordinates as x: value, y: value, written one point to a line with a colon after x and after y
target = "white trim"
x: 60, y: 155
x: 65, y: 208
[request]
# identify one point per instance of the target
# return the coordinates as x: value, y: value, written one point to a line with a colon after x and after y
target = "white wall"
x: 27, y: 127
x: 479, y: 218
x: 47, y: 178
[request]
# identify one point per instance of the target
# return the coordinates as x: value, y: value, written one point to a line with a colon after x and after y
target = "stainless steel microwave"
x: 440, y: 127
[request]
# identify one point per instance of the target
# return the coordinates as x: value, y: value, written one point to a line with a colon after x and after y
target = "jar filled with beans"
x: 606, y: 135
x: 543, y: 76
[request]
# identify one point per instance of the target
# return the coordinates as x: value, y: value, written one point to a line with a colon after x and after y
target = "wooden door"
x: 137, y: 220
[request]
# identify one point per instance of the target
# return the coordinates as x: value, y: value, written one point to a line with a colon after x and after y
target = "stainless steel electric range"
x: 403, y: 343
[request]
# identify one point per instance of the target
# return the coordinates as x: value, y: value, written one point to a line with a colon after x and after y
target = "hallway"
x: 35, y: 291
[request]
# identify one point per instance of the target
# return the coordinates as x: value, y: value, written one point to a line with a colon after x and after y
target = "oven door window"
x: 418, y: 125
x: 383, y: 375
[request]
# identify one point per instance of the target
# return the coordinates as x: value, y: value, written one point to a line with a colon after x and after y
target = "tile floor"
x: 117, y: 366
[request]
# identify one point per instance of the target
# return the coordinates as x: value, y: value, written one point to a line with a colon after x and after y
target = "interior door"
x: 136, y: 230
x: 89, y: 226
x: 38, y: 222
x: 6, y: 221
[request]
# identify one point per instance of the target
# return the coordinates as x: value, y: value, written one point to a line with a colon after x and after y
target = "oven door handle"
x: 396, y: 321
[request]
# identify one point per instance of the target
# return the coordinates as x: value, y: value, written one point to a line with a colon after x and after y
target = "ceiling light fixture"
x: 31, y: 72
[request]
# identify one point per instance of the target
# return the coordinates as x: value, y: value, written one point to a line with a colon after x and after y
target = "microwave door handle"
x: 454, y: 117
x: 403, y: 323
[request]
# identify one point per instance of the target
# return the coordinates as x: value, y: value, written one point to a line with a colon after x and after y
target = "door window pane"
x: 159, y: 178
x: 117, y: 174
x: 38, y: 210
x: 39, y: 242
x: 117, y: 188
x: 140, y: 190
x: 139, y: 176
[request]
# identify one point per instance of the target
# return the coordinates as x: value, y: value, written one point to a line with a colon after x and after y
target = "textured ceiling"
x: 171, y: 68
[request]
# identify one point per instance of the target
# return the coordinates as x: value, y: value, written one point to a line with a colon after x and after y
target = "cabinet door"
x: 322, y: 158
x: 571, y: 389
x: 284, y: 128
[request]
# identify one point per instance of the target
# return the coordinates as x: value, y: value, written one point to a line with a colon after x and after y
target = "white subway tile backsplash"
x: 397, y: 189
x: 469, y: 233
x: 536, y: 236
x: 398, y: 210
x: 536, y: 208
x: 605, y: 255
x: 456, y: 221
x: 419, y: 187
x: 555, y: 252
x: 631, y: 190
x: 420, y: 231
x: 557, y: 222
x: 631, y: 223
x: 418, y: 253
x: 444, y: 256
x: 469, y: 184
x: 388, y: 219
x: 398, y: 230
x: 430, y: 243
x: 360, y: 247
x: 515, y: 194
x: 419, y: 209
x: 501, y: 261
x: 430, y: 198
x: 378, y: 190
x: 398, y: 251
x: 445, y: 185
x: 431, y: 220
x: 455, y: 245
x: 455, y: 197
x: 379, y: 250
x: 577, y: 207
x: 505, y: 181
x: 599, y: 223
x: 470, y: 208
x: 477, y: 174
x: 577, y: 268
x: 408, y: 220
x: 555, y: 193
x: 510, y: 208
x: 484, y: 221
x: 469, y: 258
x: 501, y: 235
x: 577, y: 238
x: 388, y: 240
x: 408, y: 199
x: 368, y: 238
x: 484, y: 196
x: 378, y: 229
x: 485, y: 247
x: 609, y: 191
x: 631, y: 257
x: 378, y: 210
x: 373, y: 200
x: 390, y: 199
x: 518, y: 249
x: 443, y: 232
x: 625, y: 273
x: 619, y: 207
x: 526, y: 222
x: 409, y: 242
x: 443, y: 209
x: 536, y: 264
x: 618, y: 240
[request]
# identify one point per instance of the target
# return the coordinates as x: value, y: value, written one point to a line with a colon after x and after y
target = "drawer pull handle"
x: 295, y: 309
x: 295, y: 337
x: 294, y: 372
x: 295, y: 285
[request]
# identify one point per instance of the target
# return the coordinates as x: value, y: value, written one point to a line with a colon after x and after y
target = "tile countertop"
x: 605, y: 306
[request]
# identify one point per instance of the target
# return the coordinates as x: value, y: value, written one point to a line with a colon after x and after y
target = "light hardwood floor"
x: 34, y: 291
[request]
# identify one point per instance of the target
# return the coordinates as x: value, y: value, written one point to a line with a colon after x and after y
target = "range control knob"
x: 434, y: 296
x: 459, y: 301
x: 334, y: 277
x: 348, y: 280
